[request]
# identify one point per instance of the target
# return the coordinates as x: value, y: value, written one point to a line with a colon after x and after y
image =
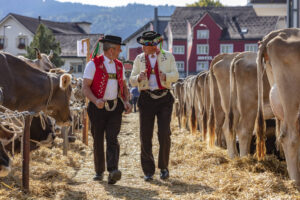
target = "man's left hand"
x: 162, y: 76
x: 128, y: 107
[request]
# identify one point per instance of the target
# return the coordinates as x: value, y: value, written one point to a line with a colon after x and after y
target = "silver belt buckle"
x: 154, y: 96
x: 107, y: 108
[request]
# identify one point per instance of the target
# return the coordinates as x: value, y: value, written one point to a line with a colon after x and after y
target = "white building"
x: 17, y: 32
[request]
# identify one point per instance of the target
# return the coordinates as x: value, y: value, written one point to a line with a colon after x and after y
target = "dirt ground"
x: 196, y: 172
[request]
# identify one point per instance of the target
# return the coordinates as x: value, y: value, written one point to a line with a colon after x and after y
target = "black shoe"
x: 164, y: 174
x: 148, y: 177
x: 114, y: 176
x: 98, y: 177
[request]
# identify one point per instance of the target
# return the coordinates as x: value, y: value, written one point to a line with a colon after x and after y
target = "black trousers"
x: 108, y: 122
x: 134, y: 101
x: 162, y: 109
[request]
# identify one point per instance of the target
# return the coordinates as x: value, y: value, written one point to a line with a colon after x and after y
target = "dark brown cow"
x: 27, y: 88
x: 39, y: 135
x: 5, y: 163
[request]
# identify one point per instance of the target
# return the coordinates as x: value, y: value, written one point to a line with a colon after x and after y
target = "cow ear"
x: 65, y: 81
x: 38, y: 53
x: 50, y: 56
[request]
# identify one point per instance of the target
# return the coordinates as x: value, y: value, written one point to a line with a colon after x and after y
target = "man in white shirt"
x: 153, y: 72
x: 105, y: 86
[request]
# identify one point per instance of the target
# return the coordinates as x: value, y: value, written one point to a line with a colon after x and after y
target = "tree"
x: 45, y: 41
x: 206, y: 3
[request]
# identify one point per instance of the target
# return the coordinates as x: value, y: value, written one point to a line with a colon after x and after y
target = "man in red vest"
x: 105, y: 86
x: 153, y: 72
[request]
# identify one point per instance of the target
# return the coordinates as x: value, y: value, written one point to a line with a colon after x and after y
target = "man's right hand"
x: 99, y: 103
x: 142, y: 76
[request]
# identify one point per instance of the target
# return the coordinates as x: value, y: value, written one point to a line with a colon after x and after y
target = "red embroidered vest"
x: 156, y: 70
x: 100, y: 80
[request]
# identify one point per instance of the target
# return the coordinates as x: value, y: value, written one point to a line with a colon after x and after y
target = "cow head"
x: 59, y: 104
x: 44, y: 61
x: 5, y: 163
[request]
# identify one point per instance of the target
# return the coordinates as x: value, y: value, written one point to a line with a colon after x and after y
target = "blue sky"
x: 112, y: 3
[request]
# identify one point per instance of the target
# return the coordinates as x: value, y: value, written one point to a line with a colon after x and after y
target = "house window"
x: 226, y: 48
x: 1, y: 43
x: 180, y: 66
x: 202, y: 49
x: 251, y: 47
x: 22, y: 43
x: 178, y: 49
x: 202, y: 66
x: 202, y: 34
x: 77, y: 67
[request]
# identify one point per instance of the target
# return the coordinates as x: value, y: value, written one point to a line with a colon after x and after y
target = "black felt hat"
x: 112, y: 39
x: 149, y: 38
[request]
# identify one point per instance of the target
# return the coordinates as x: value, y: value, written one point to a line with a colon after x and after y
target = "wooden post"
x: 65, y: 133
x: 26, y: 154
x: 85, y: 128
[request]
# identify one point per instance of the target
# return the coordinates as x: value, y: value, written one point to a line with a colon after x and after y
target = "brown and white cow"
x: 279, y: 54
x: 42, y: 61
x: 27, y: 88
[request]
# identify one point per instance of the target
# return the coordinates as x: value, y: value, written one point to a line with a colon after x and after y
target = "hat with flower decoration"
x: 150, y: 38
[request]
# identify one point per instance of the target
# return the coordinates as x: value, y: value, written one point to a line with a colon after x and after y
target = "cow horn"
x: 71, y: 70
x: 50, y: 56
x: 38, y: 53
x: 65, y: 81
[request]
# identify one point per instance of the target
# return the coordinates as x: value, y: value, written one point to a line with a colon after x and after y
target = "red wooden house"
x: 214, y: 30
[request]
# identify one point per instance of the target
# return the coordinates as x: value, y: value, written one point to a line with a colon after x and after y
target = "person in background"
x: 134, y: 91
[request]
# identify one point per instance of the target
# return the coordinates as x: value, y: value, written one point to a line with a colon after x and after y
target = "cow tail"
x: 193, y: 120
x: 204, y: 119
x: 211, y: 117
x: 260, y: 126
x: 232, y: 97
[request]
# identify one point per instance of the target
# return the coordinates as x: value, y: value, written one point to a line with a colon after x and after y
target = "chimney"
x: 155, y: 24
x: 40, y: 19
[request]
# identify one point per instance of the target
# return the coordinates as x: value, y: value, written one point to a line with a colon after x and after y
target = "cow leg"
x: 244, y: 131
x: 230, y: 140
x: 290, y: 139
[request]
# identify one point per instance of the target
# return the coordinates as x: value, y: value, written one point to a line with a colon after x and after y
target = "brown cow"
x: 216, y: 113
x: 243, y: 99
x: 279, y: 54
x: 42, y: 62
x: 27, y: 88
x: 220, y: 71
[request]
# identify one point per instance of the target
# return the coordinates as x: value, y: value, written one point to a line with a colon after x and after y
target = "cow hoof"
x: 72, y: 139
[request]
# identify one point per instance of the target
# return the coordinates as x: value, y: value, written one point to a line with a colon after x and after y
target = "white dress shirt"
x: 111, y: 91
x: 152, y: 80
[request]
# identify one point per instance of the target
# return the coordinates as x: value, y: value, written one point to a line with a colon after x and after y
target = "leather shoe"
x: 114, y: 176
x: 148, y: 177
x: 164, y: 174
x: 98, y: 177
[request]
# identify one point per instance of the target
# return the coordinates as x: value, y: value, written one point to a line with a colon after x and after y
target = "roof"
x: 268, y: 1
x: 57, y: 27
x: 231, y: 20
x: 162, y: 24
x: 68, y: 42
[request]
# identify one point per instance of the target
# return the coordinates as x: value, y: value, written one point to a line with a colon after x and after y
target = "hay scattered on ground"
x: 196, y: 173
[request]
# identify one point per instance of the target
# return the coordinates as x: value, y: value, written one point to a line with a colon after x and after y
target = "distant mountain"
x: 122, y: 21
